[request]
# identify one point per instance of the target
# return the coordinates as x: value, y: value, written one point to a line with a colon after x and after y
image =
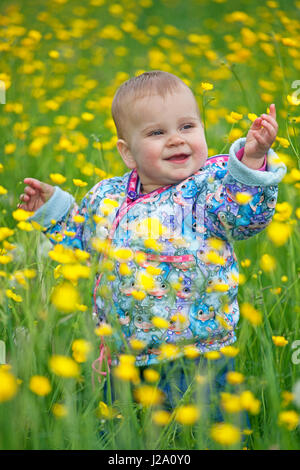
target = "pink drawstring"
x: 104, y: 353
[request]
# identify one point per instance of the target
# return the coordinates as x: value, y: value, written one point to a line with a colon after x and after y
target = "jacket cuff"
x: 54, y: 209
x: 276, y: 169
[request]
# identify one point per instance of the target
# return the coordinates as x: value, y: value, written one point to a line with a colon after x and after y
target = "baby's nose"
x: 175, y: 139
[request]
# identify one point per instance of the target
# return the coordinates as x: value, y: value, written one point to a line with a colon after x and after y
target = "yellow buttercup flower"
x: 212, y: 355
x: 148, y: 395
x: 230, y: 351
x: 187, y: 414
x: 3, y: 190
x: 79, y: 182
x: 21, y: 215
x: 59, y: 410
x: 249, y: 402
x: 65, y: 297
x: 278, y: 233
x: 249, y: 312
x: 234, y: 378
x: 206, y: 86
x: 168, y: 351
x: 279, y: 341
x: 104, y: 330
x: 8, y: 385
x: 12, y: 295
x: 40, y: 385
x: 126, y: 369
x: 81, y: 349
x: 57, y: 178
x: 289, y: 419
x: 230, y: 402
x: 267, y: 263
x: 190, y: 351
x: 64, y: 366
x: 225, y: 434
x: 151, y: 375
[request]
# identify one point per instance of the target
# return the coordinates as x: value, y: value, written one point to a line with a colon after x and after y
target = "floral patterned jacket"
x: 175, y: 274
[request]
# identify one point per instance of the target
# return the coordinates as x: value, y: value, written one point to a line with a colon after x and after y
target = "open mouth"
x: 178, y: 158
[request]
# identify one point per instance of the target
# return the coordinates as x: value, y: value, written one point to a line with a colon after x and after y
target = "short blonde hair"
x: 147, y: 84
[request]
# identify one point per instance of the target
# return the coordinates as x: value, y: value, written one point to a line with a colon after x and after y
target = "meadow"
x: 61, y: 62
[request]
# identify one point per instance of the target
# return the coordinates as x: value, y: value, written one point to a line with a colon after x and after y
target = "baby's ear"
x: 124, y: 151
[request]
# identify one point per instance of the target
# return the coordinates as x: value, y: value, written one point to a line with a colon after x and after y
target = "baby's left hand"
x: 261, y: 136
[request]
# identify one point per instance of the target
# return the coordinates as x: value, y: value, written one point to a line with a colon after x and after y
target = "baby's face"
x: 165, y: 138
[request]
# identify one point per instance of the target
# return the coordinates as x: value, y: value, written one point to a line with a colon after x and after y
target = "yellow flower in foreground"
x: 190, y: 351
x: 225, y: 434
x: 57, y: 178
x: 212, y: 355
x: 293, y: 100
x: 279, y: 233
x: 5, y: 259
x: 151, y: 375
x: 59, y: 410
x: 148, y: 395
x: 230, y: 402
x: 65, y: 297
x: 3, y: 190
x: 8, y: 385
x: 230, y: 351
x: 26, y: 226
x: 187, y: 414
x: 252, y: 116
x: 288, y: 419
x: 104, y: 330
x: 267, y: 263
x: 40, y: 385
x: 279, y: 341
x: 79, y: 183
x: 20, y: 215
x: 81, y: 349
x: 126, y: 369
x: 161, y: 417
x: 249, y: 402
x: 168, y: 351
x: 12, y: 295
x: 64, y: 366
x: 206, y: 86
x: 234, y: 378
x: 249, y: 312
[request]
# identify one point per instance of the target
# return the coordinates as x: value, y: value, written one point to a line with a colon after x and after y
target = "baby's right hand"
x: 36, y: 193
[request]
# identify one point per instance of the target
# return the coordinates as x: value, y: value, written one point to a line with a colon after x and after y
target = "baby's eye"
x: 157, y: 132
x: 187, y: 126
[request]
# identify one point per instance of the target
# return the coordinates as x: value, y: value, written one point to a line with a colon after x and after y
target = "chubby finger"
x: 33, y: 183
x: 24, y: 197
x: 269, y: 128
x: 256, y: 123
x: 271, y: 120
x: 272, y: 110
x: 29, y: 191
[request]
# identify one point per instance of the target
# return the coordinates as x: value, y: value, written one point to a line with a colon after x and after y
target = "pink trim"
x: 216, y: 158
x: 170, y: 258
x: 240, y: 154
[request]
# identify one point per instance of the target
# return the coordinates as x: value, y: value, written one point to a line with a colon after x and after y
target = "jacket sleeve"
x: 242, y: 202
x: 57, y: 217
